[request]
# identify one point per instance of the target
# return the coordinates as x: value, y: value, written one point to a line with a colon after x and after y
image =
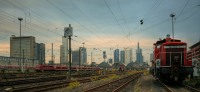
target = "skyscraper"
x: 104, y: 55
x: 79, y: 56
x: 122, y: 56
x: 75, y: 57
x: 83, y: 55
x: 139, y: 57
x: 116, y: 56
x: 64, y: 51
x: 40, y: 52
x: 128, y: 55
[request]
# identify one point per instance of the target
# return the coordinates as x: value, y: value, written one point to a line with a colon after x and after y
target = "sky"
x: 103, y: 25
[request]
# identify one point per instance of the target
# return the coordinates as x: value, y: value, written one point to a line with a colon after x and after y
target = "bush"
x: 113, y: 76
x: 94, y: 78
x: 73, y: 85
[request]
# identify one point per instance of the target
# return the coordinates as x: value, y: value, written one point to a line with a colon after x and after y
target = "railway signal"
x: 68, y: 32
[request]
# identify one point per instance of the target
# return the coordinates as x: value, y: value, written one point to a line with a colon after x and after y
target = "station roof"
x: 196, y: 44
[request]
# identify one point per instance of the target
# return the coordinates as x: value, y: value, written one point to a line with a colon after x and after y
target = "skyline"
x: 100, y: 24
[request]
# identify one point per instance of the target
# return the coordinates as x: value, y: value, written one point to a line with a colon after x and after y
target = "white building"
x: 128, y: 55
x: 64, y: 51
x: 83, y: 55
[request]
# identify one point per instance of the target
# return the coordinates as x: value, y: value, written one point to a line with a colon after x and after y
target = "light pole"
x: 172, y: 15
x: 20, y: 19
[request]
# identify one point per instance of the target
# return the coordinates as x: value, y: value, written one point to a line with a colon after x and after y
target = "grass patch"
x: 73, y: 85
x: 192, y: 82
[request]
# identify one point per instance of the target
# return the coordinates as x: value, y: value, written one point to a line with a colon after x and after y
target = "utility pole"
x: 41, y: 55
x: 91, y: 57
x: 20, y: 19
x: 23, y: 61
x: 172, y: 15
x: 52, y: 54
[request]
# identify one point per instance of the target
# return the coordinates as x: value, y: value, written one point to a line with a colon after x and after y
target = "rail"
x: 123, y: 82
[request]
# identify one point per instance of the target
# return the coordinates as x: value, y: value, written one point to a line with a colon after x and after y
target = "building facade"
x: 104, y: 55
x: 110, y: 61
x: 128, y: 55
x: 40, y: 52
x: 75, y: 57
x: 116, y: 56
x: 83, y: 55
x: 64, y: 51
x: 27, y: 47
x: 122, y: 56
x: 6, y: 61
x: 139, y: 56
x: 194, y: 51
x: 79, y: 56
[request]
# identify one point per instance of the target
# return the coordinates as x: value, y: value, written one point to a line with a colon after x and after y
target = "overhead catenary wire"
x: 183, y: 8
x: 61, y: 10
x: 114, y: 16
x: 93, y: 23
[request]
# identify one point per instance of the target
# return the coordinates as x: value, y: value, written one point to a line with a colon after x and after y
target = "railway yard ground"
x: 132, y: 81
x: 145, y: 83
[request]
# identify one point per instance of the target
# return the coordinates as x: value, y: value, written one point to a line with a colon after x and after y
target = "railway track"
x: 116, y: 85
x: 43, y: 84
x: 178, y: 87
x: 191, y: 88
x: 31, y: 80
x: 46, y: 86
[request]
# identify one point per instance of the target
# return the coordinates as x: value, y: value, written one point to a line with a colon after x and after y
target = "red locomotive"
x: 170, y: 63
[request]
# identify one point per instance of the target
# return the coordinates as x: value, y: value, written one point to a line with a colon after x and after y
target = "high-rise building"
x: 128, y: 55
x: 75, y: 57
x: 83, y: 55
x: 40, y: 52
x: 110, y: 61
x: 104, y: 55
x: 116, y: 56
x: 139, y: 57
x: 122, y: 56
x: 79, y: 56
x: 64, y: 51
x: 27, y: 47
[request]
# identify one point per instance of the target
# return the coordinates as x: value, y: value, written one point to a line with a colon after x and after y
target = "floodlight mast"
x: 172, y: 15
x: 20, y: 19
